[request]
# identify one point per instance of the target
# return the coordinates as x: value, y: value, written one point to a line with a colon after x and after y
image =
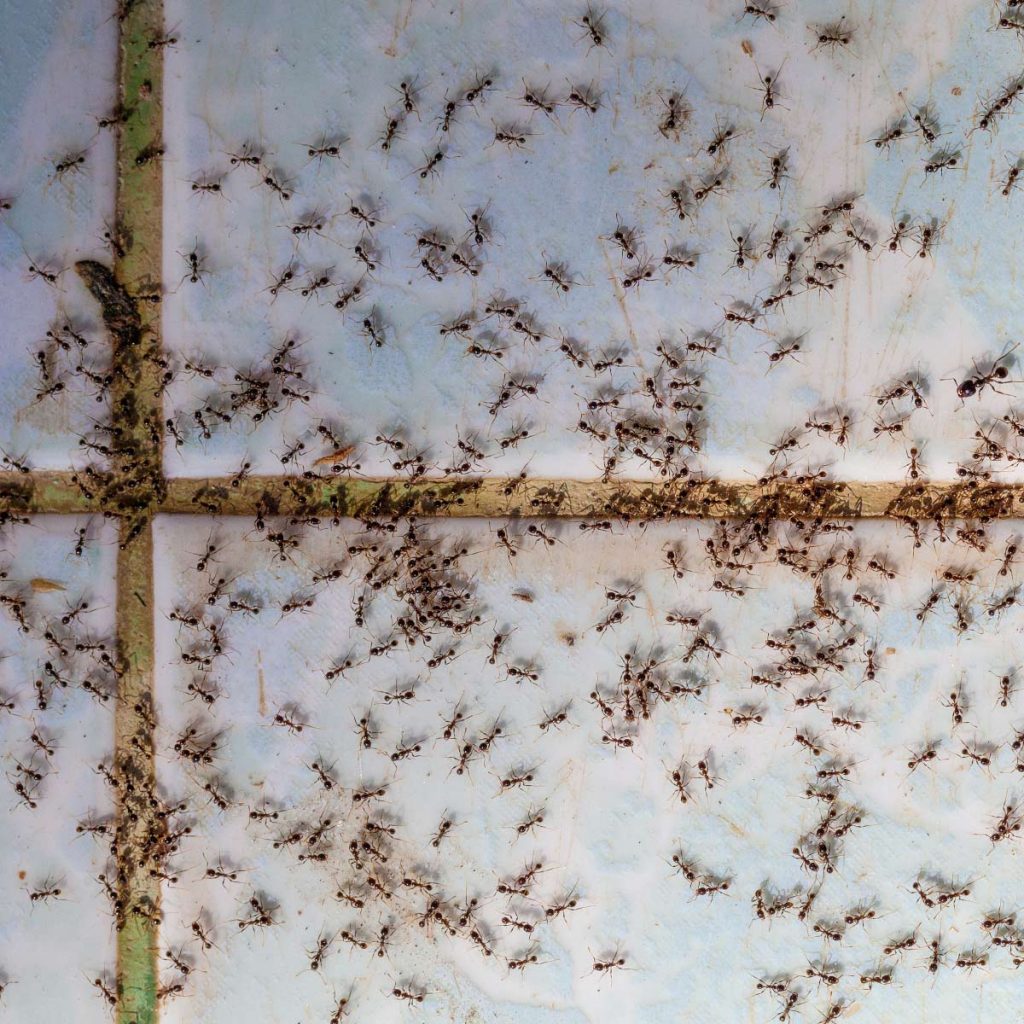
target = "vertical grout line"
x: 139, y: 831
x: 132, y: 311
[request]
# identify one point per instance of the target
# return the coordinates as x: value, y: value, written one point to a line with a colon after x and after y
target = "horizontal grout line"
x: 46, y: 491
x: 57, y: 492
x: 632, y: 499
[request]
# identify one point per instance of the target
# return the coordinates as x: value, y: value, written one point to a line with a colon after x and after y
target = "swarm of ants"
x: 428, y: 688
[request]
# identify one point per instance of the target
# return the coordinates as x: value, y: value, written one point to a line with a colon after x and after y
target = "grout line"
x: 129, y: 301
x: 139, y: 831
x: 47, y: 492
x: 61, y: 492
x: 630, y: 499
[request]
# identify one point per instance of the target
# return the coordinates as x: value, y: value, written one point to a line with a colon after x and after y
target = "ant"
x: 769, y: 84
x: 279, y: 188
x: 324, y: 148
x: 538, y: 99
x: 512, y: 136
x: 559, y: 276
x: 532, y: 820
x: 677, y: 112
x: 48, y: 890
x: 832, y: 36
x: 761, y: 10
x: 642, y: 271
x: 249, y: 156
x: 69, y: 164
x: 712, y: 185
x: 50, y: 277
x: 1010, y: 182
x: 607, y: 964
x: 1007, y: 558
x: 784, y: 350
x: 893, y: 132
x: 445, y: 826
x: 393, y: 130
x: 742, y: 251
x: 627, y: 239
x: 593, y: 25
x: 941, y: 161
x: 409, y: 92
x: 584, y: 97
x: 980, y: 379
x: 724, y: 134
x: 433, y: 161
x: 777, y: 165
x: 368, y: 216
x: 196, y: 268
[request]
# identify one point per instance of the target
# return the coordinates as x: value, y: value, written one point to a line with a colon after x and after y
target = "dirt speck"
x: 262, y: 683
x: 44, y: 586
x: 22, y: 875
x: 747, y: 47
x: 956, y: 90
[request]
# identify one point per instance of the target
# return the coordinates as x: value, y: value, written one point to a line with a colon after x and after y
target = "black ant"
x: 594, y: 27
x: 196, y: 268
x: 832, y: 36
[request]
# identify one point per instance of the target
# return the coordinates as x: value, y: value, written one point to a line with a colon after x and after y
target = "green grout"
x: 45, y: 492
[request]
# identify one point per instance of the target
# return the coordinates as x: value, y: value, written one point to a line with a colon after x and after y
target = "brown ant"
x: 979, y: 379
x: 608, y: 964
x: 761, y: 9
